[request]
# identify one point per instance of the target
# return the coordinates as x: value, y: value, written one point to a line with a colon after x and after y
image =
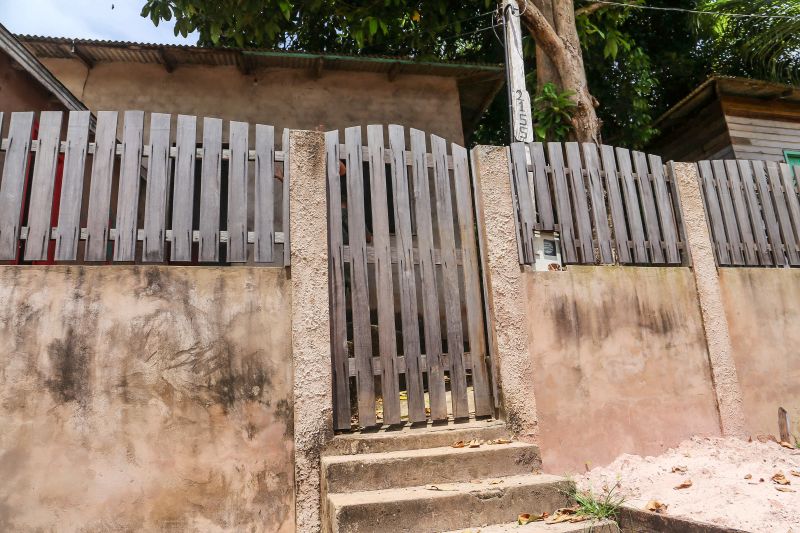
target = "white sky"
x: 86, y: 19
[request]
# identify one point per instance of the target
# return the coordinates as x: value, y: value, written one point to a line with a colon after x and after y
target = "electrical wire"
x: 693, y: 11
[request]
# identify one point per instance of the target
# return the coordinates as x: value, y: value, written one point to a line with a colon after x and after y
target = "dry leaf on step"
x: 565, y: 514
x: 678, y: 469
x: 475, y: 443
x: 685, y: 484
x: 785, y: 489
x: 528, y: 518
x: 495, y: 482
x: 655, y: 506
x: 787, y: 445
x: 459, y: 444
x: 499, y: 441
x: 749, y: 476
x: 795, y: 473
x: 780, y: 479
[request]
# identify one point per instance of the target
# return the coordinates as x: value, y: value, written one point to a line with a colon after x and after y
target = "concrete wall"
x: 145, y: 398
x: 620, y: 363
x: 20, y: 92
x: 763, y: 309
x: 281, y: 97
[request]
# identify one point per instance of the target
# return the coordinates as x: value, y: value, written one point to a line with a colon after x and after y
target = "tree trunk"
x: 558, y: 40
x: 546, y: 71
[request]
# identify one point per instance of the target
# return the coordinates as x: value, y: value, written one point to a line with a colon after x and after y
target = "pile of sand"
x: 731, y: 483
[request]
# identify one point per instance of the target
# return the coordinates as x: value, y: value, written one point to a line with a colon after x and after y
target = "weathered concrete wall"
x: 20, y: 92
x: 281, y: 97
x: 763, y: 310
x: 145, y: 398
x: 620, y: 363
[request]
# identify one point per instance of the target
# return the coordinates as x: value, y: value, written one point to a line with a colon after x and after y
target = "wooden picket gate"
x: 403, y: 241
x: 139, y: 194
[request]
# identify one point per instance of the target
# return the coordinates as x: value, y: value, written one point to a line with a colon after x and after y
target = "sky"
x: 86, y: 19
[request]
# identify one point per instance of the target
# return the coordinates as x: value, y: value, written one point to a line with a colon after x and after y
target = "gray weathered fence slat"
x: 599, y: 211
x: 405, y: 271
x: 785, y: 223
x: 728, y: 215
x: 541, y: 187
x: 264, y: 219
x: 210, y: 189
x: 522, y: 193
x: 99, y: 210
x: 579, y: 202
x: 472, y: 283
x: 616, y: 205
x: 515, y: 207
x: 740, y: 210
x: 69, y: 209
x: 128, y: 194
x: 157, y: 189
x: 770, y: 218
x: 680, y: 223
x: 183, y: 199
x: 427, y: 273
x: 287, y: 247
x: 649, y: 207
x: 714, y: 213
x: 754, y: 209
x: 563, y: 204
x: 42, y: 183
x: 387, y: 342
x: 237, y: 192
x: 665, y: 210
x: 338, y: 304
x: 791, y: 200
x: 15, y: 169
x: 632, y: 206
x: 452, y: 300
x: 356, y: 226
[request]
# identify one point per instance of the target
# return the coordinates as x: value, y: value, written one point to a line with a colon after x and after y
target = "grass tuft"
x: 602, y: 506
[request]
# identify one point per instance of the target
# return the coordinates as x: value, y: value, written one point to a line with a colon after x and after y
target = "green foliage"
x: 552, y: 113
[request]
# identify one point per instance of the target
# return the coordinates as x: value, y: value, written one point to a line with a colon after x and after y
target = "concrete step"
x: 445, y: 507
x: 408, y: 468
x: 589, y: 526
x: 406, y: 438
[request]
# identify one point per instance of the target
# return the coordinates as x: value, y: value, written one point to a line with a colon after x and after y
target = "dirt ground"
x: 728, y: 482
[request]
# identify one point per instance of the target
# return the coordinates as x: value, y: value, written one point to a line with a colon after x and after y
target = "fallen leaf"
x: 684, y: 484
x: 749, y: 476
x: 678, y: 469
x: 566, y: 514
x: 475, y: 481
x: 495, y: 482
x: 655, y: 506
x: 795, y: 473
x: 786, y: 445
x: 528, y: 518
x: 780, y: 479
x: 785, y: 489
x: 499, y: 441
x: 459, y: 444
x: 475, y: 443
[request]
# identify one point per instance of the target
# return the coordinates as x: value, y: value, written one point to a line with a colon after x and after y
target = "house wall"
x: 146, y: 398
x: 704, y: 135
x: 762, y: 129
x: 284, y: 98
x: 763, y: 309
x: 620, y: 363
x: 20, y: 92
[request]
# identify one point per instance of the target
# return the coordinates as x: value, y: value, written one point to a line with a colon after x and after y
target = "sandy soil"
x: 731, y: 483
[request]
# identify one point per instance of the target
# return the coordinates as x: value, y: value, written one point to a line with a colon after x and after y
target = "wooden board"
x: 157, y: 189
x: 579, y: 202
x: 599, y: 211
x: 210, y: 189
x: 714, y: 213
x: 99, y: 211
x: 356, y: 224
x: 563, y: 204
x: 450, y: 285
x: 541, y: 187
x: 427, y: 273
x: 758, y: 227
x: 183, y: 198
x: 524, y: 199
x: 669, y: 229
x: 728, y: 214
x: 42, y: 183
x: 472, y: 283
x: 790, y: 194
x: 615, y: 204
x: 384, y: 290
x: 237, y: 192
x: 336, y: 283
x: 69, y: 209
x: 740, y: 211
x: 648, y: 207
x: 15, y: 169
x: 770, y: 218
x: 129, y: 177
x: 632, y: 206
x: 287, y: 248
x: 781, y: 208
x: 264, y: 217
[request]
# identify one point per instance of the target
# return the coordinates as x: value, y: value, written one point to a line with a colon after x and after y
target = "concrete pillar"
x: 313, y: 409
x: 704, y: 268
x: 506, y: 293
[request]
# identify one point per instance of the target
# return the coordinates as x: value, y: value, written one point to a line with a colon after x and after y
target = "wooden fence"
x: 72, y: 197
x: 407, y: 316
x: 753, y: 212
x: 608, y: 205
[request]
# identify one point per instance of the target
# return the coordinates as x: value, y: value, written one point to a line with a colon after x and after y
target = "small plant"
x: 552, y: 113
x: 603, y: 506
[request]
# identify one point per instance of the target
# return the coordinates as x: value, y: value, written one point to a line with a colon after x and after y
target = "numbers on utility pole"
x: 519, y: 100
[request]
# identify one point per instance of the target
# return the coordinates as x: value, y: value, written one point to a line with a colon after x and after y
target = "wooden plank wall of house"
x: 759, y: 131
x: 145, y: 199
x: 608, y: 205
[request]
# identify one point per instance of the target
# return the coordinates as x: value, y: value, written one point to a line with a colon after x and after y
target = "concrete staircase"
x: 415, y: 481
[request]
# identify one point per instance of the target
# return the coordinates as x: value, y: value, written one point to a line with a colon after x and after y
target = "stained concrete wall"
x: 19, y: 91
x: 284, y: 98
x: 620, y: 363
x: 145, y: 398
x: 763, y: 309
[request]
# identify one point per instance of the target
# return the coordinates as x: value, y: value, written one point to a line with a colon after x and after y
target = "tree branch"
x: 591, y: 8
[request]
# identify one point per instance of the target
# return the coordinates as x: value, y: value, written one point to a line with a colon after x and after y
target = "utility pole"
x: 519, y: 100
